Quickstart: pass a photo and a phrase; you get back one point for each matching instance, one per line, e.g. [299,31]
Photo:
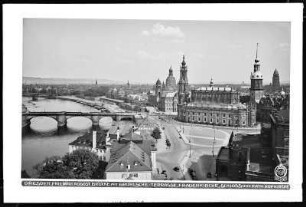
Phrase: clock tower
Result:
[256,90]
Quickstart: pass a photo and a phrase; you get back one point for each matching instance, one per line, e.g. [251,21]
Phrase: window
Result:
[211,120]
[223,115]
[205,119]
[223,121]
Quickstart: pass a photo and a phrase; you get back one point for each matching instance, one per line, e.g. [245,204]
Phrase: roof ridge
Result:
[143,152]
[131,152]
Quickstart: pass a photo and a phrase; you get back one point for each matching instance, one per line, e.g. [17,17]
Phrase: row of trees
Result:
[81,164]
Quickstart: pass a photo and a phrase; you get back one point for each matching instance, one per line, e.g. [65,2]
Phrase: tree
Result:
[52,167]
[81,164]
[156,133]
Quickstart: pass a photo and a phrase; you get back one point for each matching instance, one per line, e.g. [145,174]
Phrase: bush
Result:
[156,134]
[81,164]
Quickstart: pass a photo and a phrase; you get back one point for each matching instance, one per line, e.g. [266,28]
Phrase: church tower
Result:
[256,90]
[183,83]
[275,81]
[158,90]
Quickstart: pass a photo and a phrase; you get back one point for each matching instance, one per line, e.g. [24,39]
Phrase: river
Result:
[42,140]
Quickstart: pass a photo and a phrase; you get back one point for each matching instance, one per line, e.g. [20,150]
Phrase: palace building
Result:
[217,105]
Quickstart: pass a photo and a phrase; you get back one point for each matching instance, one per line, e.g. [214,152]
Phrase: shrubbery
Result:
[81,164]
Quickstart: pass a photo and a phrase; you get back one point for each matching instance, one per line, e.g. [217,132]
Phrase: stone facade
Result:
[212,105]
[165,95]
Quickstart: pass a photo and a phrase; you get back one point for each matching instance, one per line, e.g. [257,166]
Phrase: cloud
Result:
[164,31]
[162,55]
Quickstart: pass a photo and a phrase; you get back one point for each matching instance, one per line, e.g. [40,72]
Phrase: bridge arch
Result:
[125,118]
[29,118]
[42,124]
[79,123]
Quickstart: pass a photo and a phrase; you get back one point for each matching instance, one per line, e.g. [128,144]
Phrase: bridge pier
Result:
[61,121]
[95,121]
[25,124]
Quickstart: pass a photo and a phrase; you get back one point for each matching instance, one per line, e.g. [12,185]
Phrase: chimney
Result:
[248,158]
[94,139]
[153,160]
[118,134]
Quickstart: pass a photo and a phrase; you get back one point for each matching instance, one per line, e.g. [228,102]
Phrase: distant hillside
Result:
[34,80]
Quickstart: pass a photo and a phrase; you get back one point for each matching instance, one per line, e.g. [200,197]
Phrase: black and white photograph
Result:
[167,103]
[198,100]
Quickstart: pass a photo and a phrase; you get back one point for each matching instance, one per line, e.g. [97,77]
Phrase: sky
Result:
[141,51]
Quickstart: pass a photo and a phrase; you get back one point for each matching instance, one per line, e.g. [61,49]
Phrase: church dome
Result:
[282,92]
[158,82]
[170,81]
[275,73]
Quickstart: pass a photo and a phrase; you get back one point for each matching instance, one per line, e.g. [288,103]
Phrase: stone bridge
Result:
[62,117]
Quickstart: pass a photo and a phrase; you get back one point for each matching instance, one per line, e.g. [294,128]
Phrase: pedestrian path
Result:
[161,143]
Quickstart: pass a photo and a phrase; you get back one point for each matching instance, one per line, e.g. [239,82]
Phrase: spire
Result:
[256,60]
[170,71]
[183,62]
[211,83]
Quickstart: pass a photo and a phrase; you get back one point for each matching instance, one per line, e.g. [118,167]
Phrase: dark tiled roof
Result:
[131,136]
[126,155]
[86,140]
[281,116]
[223,154]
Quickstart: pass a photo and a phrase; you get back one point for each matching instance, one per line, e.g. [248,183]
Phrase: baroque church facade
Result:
[164,96]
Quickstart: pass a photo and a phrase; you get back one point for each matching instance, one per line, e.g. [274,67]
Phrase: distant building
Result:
[275,81]
[212,105]
[271,103]
[264,109]
[245,158]
[96,142]
[280,135]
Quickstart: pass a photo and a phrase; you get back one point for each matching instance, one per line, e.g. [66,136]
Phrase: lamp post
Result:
[189,148]
[213,148]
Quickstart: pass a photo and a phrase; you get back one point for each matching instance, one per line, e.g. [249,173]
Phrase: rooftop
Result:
[86,140]
[128,158]
[228,89]
[217,105]
[224,154]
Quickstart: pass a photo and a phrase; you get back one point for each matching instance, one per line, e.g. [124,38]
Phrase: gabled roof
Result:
[131,136]
[129,155]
